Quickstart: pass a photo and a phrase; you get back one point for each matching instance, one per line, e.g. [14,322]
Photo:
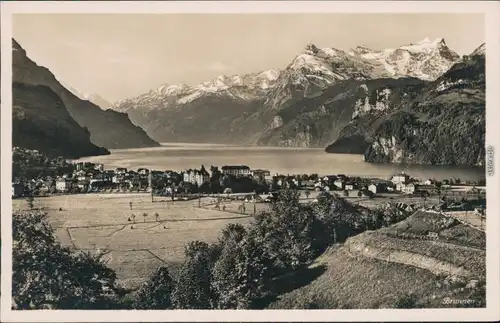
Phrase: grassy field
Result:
[134,250]
[357,282]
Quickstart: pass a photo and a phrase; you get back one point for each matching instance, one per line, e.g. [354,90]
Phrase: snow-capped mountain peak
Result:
[426,59]
[174,89]
[310,72]
[426,45]
[362,50]
[271,75]
[234,86]
[221,82]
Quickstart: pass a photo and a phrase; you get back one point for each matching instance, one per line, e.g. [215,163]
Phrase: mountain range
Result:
[40,121]
[49,117]
[98,100]
[360,101]
[94,97]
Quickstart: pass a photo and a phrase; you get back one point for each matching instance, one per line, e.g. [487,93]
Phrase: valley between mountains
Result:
[420,103]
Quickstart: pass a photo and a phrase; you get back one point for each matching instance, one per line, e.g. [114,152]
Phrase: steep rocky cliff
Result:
[376,102]
[40,121]
[344,114]
[446,122]
[108,128]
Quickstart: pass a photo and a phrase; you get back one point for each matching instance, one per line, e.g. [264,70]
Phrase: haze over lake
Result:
[181,156]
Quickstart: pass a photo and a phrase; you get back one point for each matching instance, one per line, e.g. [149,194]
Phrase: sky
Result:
[123,55]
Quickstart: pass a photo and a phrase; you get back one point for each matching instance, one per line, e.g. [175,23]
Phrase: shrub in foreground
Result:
[156,293]
[47,276]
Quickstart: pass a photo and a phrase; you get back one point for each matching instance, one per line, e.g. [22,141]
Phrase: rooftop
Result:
[235,167]
[401,174]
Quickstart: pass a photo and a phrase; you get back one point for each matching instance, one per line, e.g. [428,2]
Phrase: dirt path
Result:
[434,265]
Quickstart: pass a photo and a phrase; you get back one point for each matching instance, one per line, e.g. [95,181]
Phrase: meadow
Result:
[135,247]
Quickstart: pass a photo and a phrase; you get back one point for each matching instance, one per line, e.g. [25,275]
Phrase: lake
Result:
[283,160]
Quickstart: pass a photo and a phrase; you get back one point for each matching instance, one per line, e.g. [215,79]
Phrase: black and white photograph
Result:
[215,158]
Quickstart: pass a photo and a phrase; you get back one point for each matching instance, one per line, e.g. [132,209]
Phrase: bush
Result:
[338,219]
[313,302]
[241,275]
[193,288]
[47,276]
[285,232]
[407,301]
[156,293]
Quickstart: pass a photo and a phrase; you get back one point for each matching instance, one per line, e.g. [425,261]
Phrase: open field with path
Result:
[100,222]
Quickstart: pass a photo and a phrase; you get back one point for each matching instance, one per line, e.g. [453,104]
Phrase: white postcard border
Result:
[491,10]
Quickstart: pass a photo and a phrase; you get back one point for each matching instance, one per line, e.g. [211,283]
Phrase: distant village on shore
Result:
[87,177]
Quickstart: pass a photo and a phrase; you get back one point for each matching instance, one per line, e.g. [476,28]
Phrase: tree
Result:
[204,188]
[193,288]
[360,194]
[241,275]
[232,231]
[145,215]
[30,201]
[225,280]
[285,231]
[157,216]
[424,195]
[346,193]
[47,276]
[335,215]
[377,219]
[215,174]
[307,194]
[156,293]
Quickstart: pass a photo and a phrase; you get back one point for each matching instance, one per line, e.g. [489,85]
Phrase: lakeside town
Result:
[138,221]
[241,182]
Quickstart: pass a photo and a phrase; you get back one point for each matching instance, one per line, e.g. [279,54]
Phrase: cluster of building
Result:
[91,177]
[400,183]
[404,183]
[200,176]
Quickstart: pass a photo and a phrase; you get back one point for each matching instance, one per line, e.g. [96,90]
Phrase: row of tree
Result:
[28,164]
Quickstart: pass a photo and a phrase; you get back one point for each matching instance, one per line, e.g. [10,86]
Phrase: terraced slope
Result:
[377,269]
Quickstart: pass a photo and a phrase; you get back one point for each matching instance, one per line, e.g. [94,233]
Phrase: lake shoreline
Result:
[281,160]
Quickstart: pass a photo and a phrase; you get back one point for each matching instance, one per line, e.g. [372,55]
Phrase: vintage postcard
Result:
[250,161]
